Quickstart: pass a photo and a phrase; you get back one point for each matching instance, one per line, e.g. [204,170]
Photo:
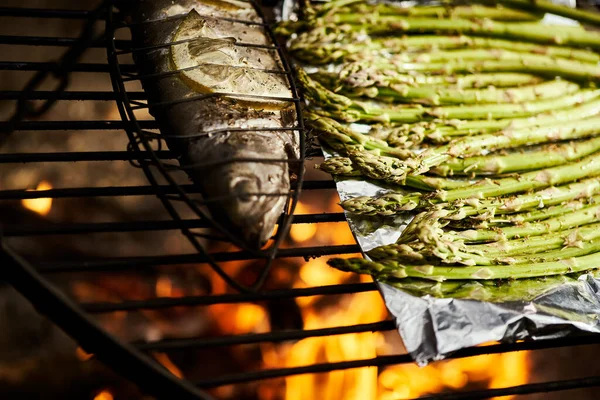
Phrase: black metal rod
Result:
[228,298]
[123,358]
[127,263]
[43,13]
[309,369]
[123,191]
[79,95]
[382,361]
[54,41]
[43,66]
[78,125]
[79,156]
[543,387]
[138,226]
[272,337]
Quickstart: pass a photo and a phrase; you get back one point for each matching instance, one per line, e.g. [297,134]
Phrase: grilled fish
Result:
[208,76]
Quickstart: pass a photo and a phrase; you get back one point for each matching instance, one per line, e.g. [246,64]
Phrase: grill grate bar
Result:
[168,302]
[126,263]
[43,13]
[54,41]
[45,66]
[78,125]
[272,337]
[382,361]
[529,388]
[138,226]
[123,191]
[81,156]
[79,95]
[85,155]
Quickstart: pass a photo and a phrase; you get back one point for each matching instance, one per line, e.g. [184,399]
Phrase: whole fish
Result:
[215,78]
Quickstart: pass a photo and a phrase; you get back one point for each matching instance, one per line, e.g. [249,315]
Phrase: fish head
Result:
[245,179]
[247,198]
[258,195]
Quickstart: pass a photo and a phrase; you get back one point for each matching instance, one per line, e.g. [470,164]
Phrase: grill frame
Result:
[128,360]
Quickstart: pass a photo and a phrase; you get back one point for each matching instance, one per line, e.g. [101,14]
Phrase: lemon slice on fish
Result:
[210,63]
[229,5]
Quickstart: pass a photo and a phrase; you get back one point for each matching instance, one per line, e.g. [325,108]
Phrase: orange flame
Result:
[164,287]
[386,383]
[491,371]
[393,382]
[360,383]
[104,395]
[41,206]
[168,364]
[302,232]
[83,355]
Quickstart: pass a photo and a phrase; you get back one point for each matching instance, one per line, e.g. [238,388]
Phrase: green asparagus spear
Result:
[583,248]
[490,291]
[548,156]
[342,166]
[579,217]
[449,248]
[578,14]
[519,62]
[534,246]
[323,45]
[332,80]
[545,213]
[475,11]
[444,132]
[345,109]
[432,95]
[392,203]
[377,167]
[424,238]
[551,196]
[341,138]
[390,269]
[408,135]
[528,32]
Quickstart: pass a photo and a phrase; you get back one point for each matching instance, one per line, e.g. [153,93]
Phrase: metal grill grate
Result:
[131,360]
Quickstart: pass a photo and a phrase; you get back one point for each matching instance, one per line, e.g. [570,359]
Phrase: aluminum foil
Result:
[436,319]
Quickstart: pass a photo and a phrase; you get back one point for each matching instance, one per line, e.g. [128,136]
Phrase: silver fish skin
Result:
[228,187]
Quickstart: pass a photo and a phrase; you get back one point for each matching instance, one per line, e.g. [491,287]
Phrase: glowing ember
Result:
[317,273]
[488,371]
[41,206]
[82,354]
[164,287]
[250,318]
[104,395]
[168,364]
[302,232]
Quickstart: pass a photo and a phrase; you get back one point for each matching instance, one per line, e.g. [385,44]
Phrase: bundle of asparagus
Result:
[487,116]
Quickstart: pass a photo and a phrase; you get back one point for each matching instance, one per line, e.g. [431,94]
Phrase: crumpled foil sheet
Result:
[435,320]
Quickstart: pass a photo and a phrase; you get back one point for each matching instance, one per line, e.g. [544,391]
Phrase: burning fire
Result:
[302,232]
[168,364]
[83,355]
[393,382]
[384,383]
[487,371]
[40,206]
[104,395]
